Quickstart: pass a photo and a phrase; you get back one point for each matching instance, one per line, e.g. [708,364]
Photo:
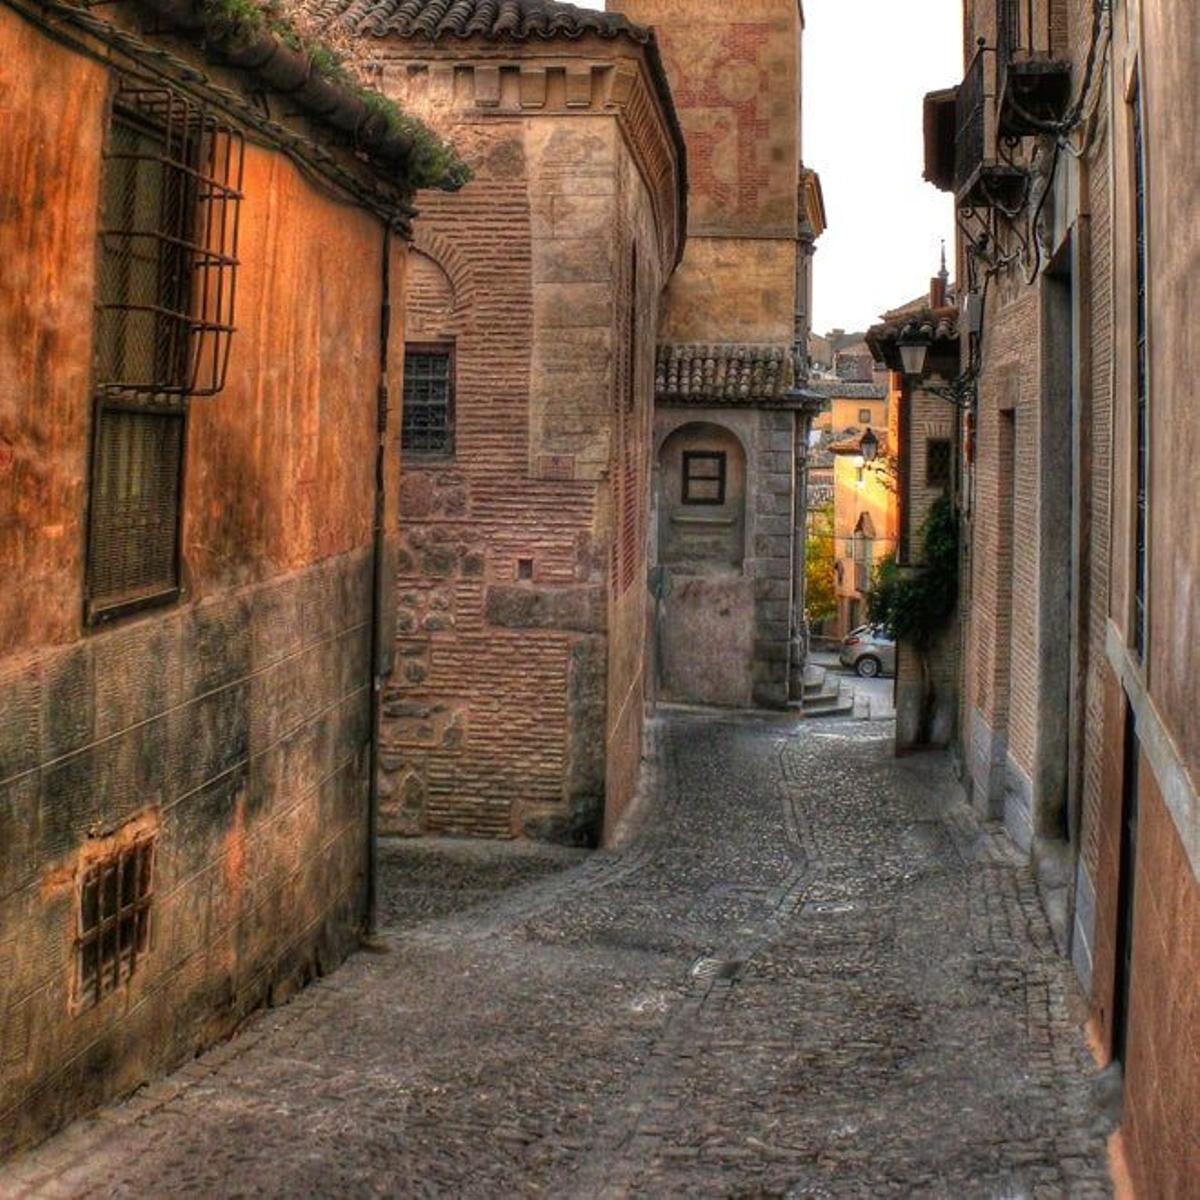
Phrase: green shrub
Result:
[916,608]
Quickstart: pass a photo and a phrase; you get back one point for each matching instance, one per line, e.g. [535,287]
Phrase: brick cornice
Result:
[590,76]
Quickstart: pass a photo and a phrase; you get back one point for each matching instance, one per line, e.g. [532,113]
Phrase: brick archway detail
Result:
[441,250]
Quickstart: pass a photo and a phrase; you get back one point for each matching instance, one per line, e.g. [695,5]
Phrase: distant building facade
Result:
[732,416]
[924,428]
[1080,717]
[862,495]
[515,707]
[193,396]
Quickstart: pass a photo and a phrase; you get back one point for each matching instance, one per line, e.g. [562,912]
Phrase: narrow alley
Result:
[809,971]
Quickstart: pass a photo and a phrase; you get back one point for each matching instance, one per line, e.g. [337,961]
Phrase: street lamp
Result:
[914,349]
[868,446]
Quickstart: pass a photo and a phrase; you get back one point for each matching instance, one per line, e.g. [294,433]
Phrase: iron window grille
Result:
[704,477]
[937,463]
[115,897]
[864,416]
[170,203]
[427,426]
[169,245]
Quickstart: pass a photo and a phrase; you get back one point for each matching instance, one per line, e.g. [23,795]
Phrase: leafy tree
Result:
[916,608]
[820,595]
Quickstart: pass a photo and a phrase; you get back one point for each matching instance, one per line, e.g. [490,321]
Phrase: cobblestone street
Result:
[810,972]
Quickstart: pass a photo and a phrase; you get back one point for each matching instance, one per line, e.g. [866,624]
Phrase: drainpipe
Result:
[379,647]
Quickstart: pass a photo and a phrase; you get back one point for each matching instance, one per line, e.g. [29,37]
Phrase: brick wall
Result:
[1161,1118]
[521,579]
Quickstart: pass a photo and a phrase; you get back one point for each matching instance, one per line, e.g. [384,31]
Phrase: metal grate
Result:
[428,422]
[937,463]
[971,122]
[134,544]
[168,236]
[114,920]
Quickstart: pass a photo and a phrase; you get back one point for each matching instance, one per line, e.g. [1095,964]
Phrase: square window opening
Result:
[937,463]
[704,477]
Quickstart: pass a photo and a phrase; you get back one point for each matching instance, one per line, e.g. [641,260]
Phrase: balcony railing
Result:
[1034,87]
[961,142]
[971,123]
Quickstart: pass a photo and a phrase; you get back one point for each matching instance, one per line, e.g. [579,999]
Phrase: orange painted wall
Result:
[49,248]
[234,723]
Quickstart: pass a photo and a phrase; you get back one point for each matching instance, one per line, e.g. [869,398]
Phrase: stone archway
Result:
[705,621]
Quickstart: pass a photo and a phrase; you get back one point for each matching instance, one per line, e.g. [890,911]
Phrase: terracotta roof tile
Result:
[517,20]
[934,325]
[840,389]
[723,373]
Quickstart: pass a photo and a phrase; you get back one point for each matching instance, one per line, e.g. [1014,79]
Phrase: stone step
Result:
[839,708]
[814,677]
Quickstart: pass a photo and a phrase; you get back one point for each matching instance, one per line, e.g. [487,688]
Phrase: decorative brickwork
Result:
[515,705]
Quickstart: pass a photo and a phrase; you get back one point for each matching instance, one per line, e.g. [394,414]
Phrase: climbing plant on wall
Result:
[915,606]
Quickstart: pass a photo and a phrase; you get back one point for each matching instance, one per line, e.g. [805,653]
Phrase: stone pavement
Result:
[810,973]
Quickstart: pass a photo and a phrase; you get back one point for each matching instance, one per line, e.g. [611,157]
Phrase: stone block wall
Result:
[516,705]
[236,733]
[741,614]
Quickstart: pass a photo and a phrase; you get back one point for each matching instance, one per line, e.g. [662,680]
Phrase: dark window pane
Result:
[135,504]
[428,402]
[937,463]
[89,903]
[703,477]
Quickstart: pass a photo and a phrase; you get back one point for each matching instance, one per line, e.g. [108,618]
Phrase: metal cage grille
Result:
[168,235]
[114,920]
[427,425]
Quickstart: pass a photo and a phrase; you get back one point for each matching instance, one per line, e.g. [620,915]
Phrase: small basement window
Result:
[703,477]
[113,925]
[427,426]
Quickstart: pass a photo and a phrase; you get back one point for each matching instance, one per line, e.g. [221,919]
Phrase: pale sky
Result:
[867,65]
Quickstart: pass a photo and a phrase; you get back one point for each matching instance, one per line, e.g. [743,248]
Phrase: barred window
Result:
[864,416]
[703,477]
[113,920]
[169,206]
[937,463]
[428,422]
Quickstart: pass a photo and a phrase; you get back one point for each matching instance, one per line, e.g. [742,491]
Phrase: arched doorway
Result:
[705,612]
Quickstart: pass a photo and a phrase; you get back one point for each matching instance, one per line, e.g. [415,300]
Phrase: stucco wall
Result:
[732,290]
[729,637]
[235,723]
